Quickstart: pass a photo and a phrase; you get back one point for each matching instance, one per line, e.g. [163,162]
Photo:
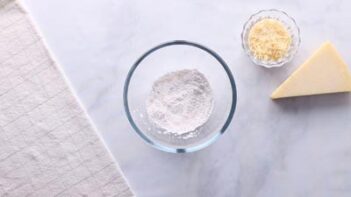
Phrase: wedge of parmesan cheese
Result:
[324,72]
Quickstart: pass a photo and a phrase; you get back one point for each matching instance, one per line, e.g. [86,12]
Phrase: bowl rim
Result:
[164,147]
[278,64]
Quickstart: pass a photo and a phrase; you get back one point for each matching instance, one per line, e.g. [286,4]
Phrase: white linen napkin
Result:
[48,147]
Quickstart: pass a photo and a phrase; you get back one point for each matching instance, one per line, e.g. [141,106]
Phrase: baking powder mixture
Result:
[180,101]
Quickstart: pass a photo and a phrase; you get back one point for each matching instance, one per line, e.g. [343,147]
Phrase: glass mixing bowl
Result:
[166,58]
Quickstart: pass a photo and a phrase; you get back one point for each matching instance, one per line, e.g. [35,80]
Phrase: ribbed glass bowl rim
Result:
[156,144]
[247,51]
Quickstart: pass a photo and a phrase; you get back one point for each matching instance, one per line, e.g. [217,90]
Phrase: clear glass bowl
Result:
[173,56]
[289,23]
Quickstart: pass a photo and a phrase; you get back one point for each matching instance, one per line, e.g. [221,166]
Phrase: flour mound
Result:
[180,101]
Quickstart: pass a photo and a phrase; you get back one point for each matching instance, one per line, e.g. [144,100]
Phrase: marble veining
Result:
[293,147]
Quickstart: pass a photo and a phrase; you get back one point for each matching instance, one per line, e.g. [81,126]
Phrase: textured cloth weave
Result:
[48,146]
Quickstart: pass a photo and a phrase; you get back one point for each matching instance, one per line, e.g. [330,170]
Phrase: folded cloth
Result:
[48,147]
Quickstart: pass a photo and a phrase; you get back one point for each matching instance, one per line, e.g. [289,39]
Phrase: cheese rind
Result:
[324,72]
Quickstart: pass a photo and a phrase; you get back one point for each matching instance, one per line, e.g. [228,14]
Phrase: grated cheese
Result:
[269,40]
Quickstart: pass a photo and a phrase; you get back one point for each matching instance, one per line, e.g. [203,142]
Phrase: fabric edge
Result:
[68,83]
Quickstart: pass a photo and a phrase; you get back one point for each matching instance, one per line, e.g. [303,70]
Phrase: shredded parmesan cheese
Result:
[269,40]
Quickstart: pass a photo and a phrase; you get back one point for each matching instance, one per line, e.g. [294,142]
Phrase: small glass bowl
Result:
[169,57]
[290,25]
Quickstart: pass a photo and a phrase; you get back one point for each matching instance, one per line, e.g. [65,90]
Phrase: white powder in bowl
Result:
[180,101]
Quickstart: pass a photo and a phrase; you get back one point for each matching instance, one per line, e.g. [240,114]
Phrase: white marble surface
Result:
[294,147]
